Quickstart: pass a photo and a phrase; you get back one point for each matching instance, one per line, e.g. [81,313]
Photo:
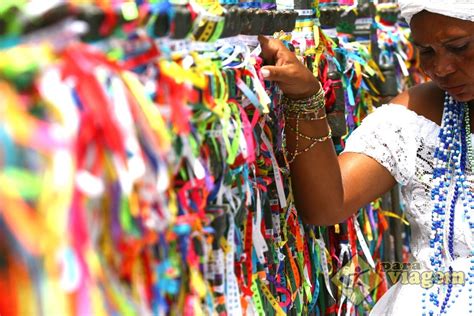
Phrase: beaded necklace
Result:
[452,154]
[470,150]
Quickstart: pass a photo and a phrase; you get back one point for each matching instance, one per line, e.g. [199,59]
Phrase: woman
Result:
[421,140]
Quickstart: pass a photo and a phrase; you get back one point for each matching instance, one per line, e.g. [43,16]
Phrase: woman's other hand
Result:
[294,79]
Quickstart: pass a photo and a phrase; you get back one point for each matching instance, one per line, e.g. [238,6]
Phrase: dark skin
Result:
[328,189]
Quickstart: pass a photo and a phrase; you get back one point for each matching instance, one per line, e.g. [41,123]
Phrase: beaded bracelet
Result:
[311,104]
[305,109]
[315,140]
[307,117]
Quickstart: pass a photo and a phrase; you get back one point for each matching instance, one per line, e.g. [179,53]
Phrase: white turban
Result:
[459,9]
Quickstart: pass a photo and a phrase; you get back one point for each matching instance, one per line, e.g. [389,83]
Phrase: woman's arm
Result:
[327,189]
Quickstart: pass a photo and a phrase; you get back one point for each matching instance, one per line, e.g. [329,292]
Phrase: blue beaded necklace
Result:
[452,155]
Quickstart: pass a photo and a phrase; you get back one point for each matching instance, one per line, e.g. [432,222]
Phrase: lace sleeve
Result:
[389,136]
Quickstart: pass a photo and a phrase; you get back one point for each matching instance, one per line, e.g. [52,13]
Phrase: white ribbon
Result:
[363,243]
[232,299]
[324,265]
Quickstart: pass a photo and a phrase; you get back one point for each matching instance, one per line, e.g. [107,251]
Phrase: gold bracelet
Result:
[311,104]
[307,117]
[315,140]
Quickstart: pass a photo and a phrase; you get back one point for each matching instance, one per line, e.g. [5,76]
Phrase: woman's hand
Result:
[293,78]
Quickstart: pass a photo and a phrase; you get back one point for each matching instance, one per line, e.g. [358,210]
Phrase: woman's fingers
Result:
[268,52]
[272,50]
[276,73]
[293,78]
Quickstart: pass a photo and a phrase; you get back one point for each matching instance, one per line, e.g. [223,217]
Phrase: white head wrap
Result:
[459,9]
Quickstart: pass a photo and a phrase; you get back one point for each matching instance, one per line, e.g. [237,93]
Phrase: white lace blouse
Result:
[404,143]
